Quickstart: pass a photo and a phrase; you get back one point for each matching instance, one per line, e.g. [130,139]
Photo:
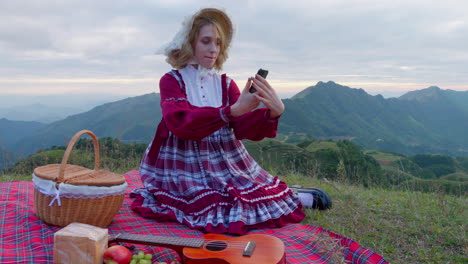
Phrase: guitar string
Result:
[223,244]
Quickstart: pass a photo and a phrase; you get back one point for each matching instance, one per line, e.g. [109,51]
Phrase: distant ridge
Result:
[425,95]
[11,131]
[37,112]
[322,85]
[423,121]
[131,119]
[434,93]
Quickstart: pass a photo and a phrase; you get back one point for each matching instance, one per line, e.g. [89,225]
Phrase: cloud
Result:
[375,43]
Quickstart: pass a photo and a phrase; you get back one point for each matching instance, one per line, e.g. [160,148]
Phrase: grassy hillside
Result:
[114,156]
[404,226]
[340,161]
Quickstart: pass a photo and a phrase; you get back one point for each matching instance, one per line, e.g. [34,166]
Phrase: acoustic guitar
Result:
[216,249]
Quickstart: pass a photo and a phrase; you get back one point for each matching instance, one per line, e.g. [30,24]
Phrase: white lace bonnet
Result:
[181,37]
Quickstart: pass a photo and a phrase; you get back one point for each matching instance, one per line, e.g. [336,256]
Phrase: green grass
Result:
[8,178]
[382,155]
[458,176]
[315,146]
[402,226]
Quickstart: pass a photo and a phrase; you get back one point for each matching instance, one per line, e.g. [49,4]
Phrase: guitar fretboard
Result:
[161,240]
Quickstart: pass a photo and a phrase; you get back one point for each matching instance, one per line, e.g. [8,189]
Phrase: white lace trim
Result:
[48,188]
[195,199]
[200,196]
[176,99]
[181,36]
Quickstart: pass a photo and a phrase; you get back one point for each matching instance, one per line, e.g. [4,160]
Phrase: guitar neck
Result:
[160,241]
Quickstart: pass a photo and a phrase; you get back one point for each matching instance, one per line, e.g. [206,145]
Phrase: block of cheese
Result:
[80,243]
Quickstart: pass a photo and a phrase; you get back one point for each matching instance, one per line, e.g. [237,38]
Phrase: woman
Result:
[196,170]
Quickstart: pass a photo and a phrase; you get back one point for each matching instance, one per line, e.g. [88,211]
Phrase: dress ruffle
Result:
[213,211]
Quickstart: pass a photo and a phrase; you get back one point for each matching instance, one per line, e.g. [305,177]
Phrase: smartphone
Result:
[262,73]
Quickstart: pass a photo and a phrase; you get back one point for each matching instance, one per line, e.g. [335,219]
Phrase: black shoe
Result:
[322,201]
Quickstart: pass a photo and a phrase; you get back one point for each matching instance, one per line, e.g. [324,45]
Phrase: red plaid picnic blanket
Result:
[26,239]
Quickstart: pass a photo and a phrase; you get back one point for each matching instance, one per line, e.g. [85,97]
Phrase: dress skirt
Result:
[214,185]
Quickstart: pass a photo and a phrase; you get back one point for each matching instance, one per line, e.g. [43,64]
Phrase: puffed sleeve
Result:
[185,120]
[254,125]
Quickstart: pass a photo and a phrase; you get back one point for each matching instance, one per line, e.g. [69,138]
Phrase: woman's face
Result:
[207,46]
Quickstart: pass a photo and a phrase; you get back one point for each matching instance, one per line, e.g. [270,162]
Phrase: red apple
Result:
[117,255]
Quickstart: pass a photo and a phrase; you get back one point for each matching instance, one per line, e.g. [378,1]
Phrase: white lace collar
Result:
[203,86]
[202,72]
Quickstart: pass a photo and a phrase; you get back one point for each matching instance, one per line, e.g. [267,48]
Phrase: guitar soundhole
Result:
[216,245]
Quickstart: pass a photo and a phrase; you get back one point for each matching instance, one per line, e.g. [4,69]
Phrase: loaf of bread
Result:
[80,243]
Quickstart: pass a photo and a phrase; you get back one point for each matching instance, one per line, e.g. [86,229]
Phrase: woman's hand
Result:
[246,101]
[267,95]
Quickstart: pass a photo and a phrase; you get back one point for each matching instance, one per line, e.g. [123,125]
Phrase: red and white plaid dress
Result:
[197,171]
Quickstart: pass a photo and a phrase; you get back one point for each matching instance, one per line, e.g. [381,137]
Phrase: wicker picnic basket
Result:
[65,193]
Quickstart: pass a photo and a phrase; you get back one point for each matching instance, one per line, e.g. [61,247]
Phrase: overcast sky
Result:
[88,46]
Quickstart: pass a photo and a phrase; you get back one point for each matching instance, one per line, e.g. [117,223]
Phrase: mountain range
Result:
[430,120]
[12,131]
[130,119]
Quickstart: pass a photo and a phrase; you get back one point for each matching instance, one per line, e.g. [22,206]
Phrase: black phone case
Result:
[262,73]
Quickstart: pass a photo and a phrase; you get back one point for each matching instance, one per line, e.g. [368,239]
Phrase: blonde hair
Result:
[179,58]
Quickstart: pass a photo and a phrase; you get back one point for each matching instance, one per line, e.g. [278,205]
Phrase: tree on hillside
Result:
[439,165]
[426,160]
[408,166]
[359,167]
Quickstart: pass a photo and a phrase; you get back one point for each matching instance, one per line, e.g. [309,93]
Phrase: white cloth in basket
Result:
[48,188]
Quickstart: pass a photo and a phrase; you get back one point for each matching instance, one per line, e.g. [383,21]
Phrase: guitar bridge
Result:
[249,248]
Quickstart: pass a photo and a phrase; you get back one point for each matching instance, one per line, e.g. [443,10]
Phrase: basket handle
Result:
[70,146]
